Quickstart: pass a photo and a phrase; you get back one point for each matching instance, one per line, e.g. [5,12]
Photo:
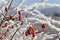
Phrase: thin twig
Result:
[17,5]
[10,3]
[14,33]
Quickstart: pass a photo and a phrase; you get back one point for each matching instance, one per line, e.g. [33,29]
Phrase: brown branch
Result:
[16,5]
[14,33]
[10,4]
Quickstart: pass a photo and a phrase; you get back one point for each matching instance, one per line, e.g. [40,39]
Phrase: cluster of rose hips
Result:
[6,24]
[30,30]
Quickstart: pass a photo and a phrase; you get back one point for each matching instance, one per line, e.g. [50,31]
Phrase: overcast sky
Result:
[28,2]
[35,1]
[49,1]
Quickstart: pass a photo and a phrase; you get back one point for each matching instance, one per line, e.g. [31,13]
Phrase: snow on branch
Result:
[25,24]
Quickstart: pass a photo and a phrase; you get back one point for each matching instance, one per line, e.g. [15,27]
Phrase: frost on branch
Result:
[27,23]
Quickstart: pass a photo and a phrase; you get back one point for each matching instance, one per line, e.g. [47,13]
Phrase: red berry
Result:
[30,31]
[33,35]
[3,26]
[20,17]
[6,9]
[0,38]
[12,26]
[11,17]
[6,24]
[43,25]
[19,12]
[26,33]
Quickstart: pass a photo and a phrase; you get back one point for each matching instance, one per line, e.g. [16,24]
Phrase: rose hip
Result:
[43,25]
[6,9]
